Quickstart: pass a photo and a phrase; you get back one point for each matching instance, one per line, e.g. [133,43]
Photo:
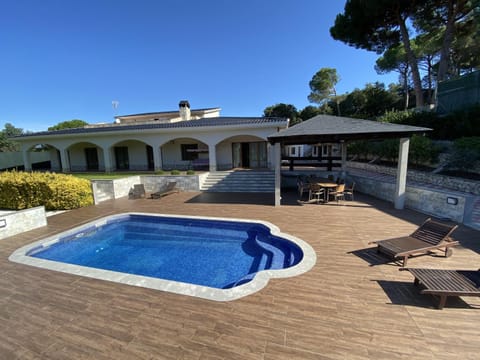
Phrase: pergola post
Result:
[277,160]
[401,181]
[344,159]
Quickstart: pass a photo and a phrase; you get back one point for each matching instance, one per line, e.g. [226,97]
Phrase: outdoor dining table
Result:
[327,185]
[323,183]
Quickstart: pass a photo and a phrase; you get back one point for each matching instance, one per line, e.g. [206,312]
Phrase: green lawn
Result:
[118,175]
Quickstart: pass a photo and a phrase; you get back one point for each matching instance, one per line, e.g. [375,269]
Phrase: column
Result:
[157,158]
[212,157]
[277,157]
[399,196]
[107,159]
[65,159]
[27,165]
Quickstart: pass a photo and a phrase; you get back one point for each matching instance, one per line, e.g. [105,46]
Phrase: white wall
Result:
[15,158]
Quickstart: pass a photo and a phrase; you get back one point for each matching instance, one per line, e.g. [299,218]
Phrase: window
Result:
[292,150]
[189,151]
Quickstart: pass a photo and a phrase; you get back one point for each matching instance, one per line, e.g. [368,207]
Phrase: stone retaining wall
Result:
[117,188]
[17,222]
[448,182]
[428,201]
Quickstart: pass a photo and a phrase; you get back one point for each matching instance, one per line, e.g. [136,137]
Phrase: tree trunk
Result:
[405,87]
[336,101]
[412,60]
[447,41]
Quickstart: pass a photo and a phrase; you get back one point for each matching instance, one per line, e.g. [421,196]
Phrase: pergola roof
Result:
[327,128]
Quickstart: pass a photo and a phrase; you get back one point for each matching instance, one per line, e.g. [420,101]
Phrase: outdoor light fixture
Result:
[452,200]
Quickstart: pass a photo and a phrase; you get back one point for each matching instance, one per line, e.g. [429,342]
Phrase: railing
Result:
[327,162]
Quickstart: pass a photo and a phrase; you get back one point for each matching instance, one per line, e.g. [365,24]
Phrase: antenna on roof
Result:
[115,104]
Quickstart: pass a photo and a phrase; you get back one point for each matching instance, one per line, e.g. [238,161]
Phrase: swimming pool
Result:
[214,258]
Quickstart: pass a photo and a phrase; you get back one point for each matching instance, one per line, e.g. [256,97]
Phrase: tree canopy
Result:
[376,25]
[322,86]
[69,124]
[283,110]
[7,144]
[439,37]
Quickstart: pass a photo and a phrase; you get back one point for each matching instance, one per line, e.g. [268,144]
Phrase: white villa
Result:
[183,139]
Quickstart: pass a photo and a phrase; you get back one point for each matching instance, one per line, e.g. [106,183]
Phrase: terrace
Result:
[351,305]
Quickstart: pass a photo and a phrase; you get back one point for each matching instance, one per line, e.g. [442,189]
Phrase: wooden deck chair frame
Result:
[445,283]
[169,189]
[431,235]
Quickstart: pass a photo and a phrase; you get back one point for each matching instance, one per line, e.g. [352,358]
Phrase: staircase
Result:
[239,181]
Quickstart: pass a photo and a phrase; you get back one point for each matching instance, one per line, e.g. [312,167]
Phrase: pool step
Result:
[239,181]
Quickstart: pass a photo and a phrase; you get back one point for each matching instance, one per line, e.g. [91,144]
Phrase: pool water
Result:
[215,253]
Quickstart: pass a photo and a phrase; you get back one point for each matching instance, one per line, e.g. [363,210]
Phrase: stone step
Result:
[239,181]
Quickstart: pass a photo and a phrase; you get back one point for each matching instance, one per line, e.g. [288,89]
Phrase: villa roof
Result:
[327,128]
[166,112]
[204,122]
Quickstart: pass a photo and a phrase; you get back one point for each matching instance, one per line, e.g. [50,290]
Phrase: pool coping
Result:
[260,280]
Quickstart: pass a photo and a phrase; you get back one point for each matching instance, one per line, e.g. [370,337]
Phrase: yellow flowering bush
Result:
[23,190]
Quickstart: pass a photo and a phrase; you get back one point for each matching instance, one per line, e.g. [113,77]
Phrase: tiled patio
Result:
[351,305]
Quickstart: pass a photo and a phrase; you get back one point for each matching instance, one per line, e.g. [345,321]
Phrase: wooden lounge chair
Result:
[429,236]
[169,189]
[138,192]
[445,283]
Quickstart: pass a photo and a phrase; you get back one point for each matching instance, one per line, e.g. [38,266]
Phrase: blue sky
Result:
[69,59]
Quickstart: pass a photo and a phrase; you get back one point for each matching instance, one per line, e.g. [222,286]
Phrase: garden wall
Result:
[17,222]
[436,202]
[113,189]
[447,182]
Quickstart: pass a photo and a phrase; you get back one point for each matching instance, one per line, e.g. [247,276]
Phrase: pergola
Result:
[336,129]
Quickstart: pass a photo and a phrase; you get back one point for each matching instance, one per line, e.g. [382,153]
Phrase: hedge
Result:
[23,190]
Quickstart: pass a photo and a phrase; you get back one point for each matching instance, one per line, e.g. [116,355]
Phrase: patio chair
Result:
[338,193]
[169,189]
[316,192]
[302,186]
[431,235]
[445,283]
[349,191]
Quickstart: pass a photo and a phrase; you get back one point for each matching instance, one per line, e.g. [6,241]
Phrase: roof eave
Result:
[314,139]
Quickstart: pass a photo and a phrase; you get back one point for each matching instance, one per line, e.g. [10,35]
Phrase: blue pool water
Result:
[215,253]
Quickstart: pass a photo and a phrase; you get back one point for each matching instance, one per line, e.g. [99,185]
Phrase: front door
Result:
[121,158]
[91,157]
[250,155]
[150,163]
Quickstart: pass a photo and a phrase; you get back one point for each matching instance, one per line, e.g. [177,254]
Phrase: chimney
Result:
[184,109]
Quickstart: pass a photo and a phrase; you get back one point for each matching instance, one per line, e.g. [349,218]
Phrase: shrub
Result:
[465,122]
[386,149]
[159,172]
[190,172]
[23,190]
[175,172]
[465,153]
[422,150]
[361,149]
